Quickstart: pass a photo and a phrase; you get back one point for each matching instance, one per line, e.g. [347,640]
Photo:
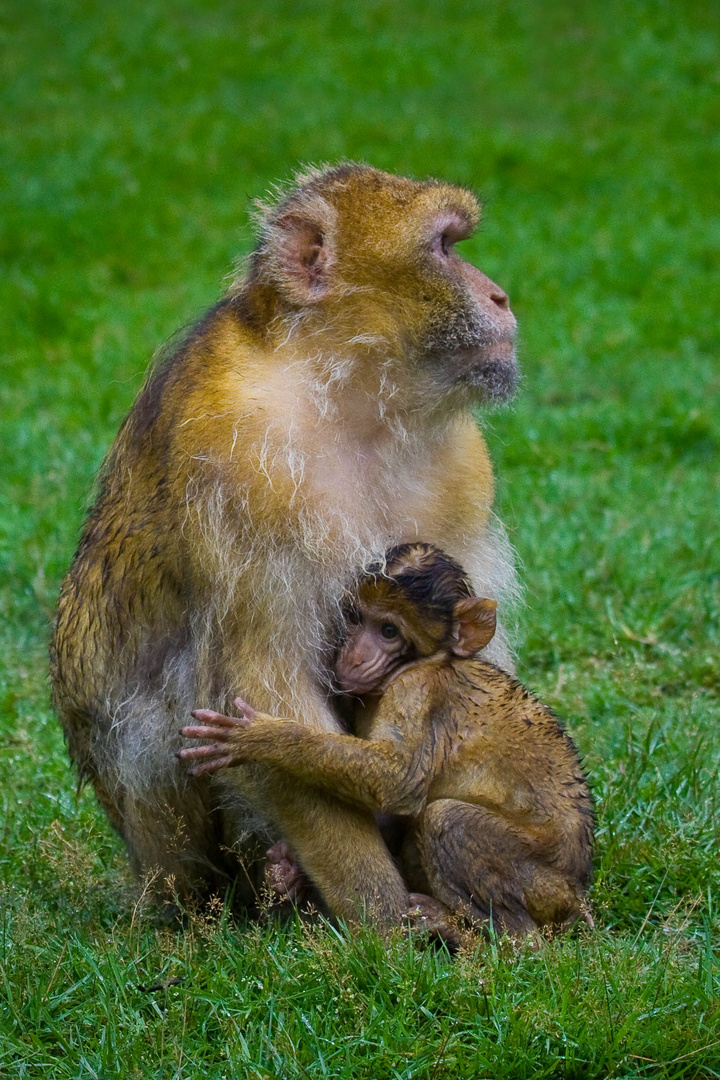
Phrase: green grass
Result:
[137,134]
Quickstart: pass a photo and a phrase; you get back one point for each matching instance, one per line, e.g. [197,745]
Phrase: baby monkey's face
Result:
[385,631]
[376,644]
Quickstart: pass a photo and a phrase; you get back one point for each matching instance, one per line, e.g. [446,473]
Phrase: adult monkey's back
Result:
[317,416]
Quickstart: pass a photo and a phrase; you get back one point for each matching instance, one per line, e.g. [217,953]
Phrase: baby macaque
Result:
[497,812]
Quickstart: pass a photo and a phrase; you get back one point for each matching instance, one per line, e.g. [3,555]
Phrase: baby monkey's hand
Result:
[227,748]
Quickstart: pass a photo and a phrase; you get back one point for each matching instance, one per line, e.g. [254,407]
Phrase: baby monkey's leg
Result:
[484,866]
[476,864]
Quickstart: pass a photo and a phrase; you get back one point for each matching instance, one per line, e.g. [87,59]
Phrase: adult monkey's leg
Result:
[341,849]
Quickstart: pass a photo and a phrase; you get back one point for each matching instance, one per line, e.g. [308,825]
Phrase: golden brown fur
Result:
[318,414]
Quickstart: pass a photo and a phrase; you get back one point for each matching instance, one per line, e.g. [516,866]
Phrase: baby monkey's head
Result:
[417,603]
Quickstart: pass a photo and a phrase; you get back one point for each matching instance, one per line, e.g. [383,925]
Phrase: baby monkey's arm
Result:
[390,636]
[391,774]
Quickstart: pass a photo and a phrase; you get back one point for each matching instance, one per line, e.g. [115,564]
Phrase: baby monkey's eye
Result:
[389,631]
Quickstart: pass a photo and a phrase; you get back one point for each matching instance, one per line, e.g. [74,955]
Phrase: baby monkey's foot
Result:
[427,913]
[284,877]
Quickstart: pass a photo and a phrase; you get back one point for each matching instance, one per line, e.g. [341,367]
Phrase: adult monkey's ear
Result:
[474,625]
[301,250]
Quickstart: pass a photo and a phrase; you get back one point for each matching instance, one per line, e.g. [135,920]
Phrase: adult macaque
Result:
[499,811]
[319,414]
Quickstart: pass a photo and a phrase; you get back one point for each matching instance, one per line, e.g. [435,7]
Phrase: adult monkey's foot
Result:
[284,877]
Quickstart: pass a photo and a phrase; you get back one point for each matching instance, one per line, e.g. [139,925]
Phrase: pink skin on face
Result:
[373,648]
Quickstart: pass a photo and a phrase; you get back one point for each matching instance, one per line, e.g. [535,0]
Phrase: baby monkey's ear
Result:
[474,625]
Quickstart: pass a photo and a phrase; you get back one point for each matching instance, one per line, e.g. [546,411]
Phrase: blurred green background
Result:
[135,136]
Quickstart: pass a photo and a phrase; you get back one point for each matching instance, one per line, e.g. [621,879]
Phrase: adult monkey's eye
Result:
[389,631]
[449,229]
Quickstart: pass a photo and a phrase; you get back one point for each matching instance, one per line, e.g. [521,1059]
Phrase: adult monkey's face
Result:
[373,256]
[469,338]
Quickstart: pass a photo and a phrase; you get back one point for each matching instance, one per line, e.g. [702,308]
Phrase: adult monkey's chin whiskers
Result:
[481,376]
[496,378]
